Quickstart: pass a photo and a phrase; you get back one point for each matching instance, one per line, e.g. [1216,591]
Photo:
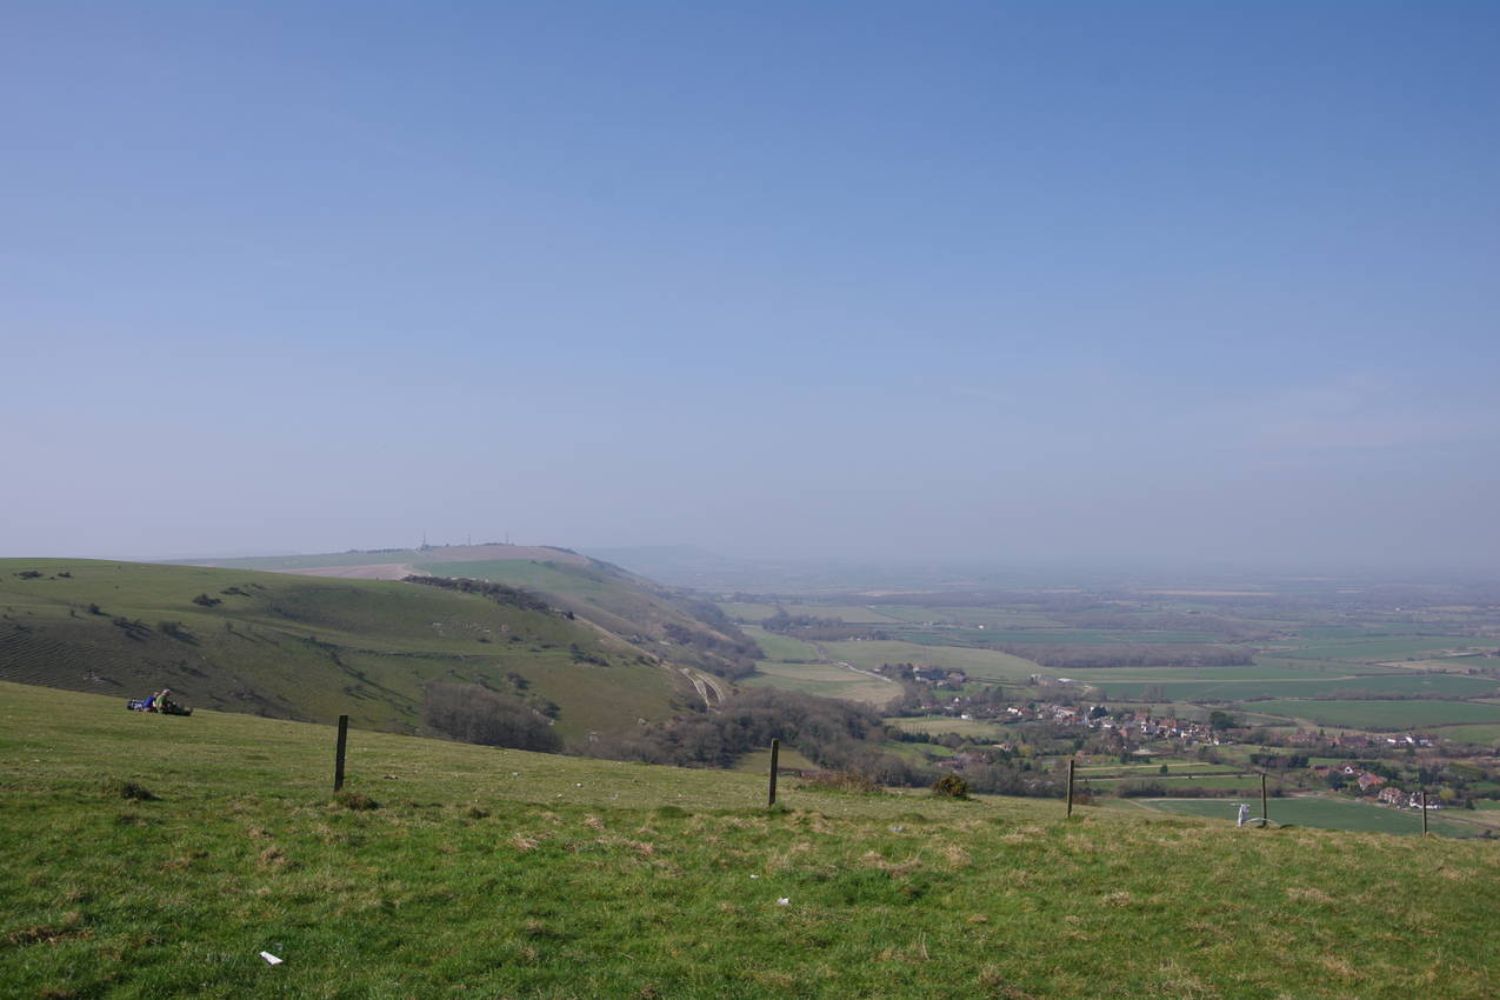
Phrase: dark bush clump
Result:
[203,600]
[356,801]
[134,792]
[475,714]
[952,786]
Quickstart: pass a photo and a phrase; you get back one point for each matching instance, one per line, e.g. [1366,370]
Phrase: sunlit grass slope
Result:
[304,647]
[500,873]
[648,615]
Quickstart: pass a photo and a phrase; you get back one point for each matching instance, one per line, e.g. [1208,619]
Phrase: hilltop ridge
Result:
[665,622]
[301,647]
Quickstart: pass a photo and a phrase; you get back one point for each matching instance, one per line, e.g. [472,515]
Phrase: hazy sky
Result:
[1155,282]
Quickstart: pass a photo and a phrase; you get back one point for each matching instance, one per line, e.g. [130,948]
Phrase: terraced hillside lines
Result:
[306,648]
[500,873]
[650,618]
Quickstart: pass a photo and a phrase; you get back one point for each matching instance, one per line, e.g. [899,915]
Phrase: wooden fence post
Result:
[775,763]
[1265,815]
[1424,812]
[1070,788]
[338,756]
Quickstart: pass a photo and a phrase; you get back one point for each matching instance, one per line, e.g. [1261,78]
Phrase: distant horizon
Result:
[852,567]
[1131,286]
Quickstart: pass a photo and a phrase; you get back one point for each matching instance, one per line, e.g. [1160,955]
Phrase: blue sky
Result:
[1142,284]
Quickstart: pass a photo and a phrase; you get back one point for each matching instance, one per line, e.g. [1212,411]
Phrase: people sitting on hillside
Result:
[160,702]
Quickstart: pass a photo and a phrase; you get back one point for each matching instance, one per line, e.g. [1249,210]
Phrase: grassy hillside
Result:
[307,648]
[649,616]
[500,873]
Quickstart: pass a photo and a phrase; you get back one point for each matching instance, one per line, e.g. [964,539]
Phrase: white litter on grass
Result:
[270,958]
[755,876]
[784,901]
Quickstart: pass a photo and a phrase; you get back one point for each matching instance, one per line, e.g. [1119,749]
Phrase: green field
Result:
[744,612]
[1221,684]
[1382,715]
[1487,735]
[987,664]
[781,647]
[847,613]
[1319,811]
[1021,638]
[825,680]
[1375,649]
[759,762]
[500,873]
[942,725]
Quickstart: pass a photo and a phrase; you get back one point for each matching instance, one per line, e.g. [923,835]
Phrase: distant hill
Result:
[305,648]
[667,623]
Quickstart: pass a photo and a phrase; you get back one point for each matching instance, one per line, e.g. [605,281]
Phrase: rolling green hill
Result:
[660,620]
[303,647]
[151,856]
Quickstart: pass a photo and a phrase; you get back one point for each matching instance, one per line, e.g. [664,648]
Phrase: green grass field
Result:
[1381,715]
[942,725]
[746,612]
[500,873]
[1207,684]
[1486,735]
[1319,811]
[988,664]
[826,680]
[783,648]
[1375,649]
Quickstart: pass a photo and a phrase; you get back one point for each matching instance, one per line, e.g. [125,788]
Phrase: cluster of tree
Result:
[134,628]
[1275,761]
[514,597]
[731,655]
[176,630]
[922,699]
[833,734]
[476,714]
[1001,775]
[1132,655]
[581,655]
[783,622]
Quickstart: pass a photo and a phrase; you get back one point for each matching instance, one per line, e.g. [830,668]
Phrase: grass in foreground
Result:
[496,873]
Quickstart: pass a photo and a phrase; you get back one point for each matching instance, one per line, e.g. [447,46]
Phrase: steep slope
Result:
[307,648]
[661,620]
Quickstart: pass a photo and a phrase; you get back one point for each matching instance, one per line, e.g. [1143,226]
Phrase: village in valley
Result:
[1137,751]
